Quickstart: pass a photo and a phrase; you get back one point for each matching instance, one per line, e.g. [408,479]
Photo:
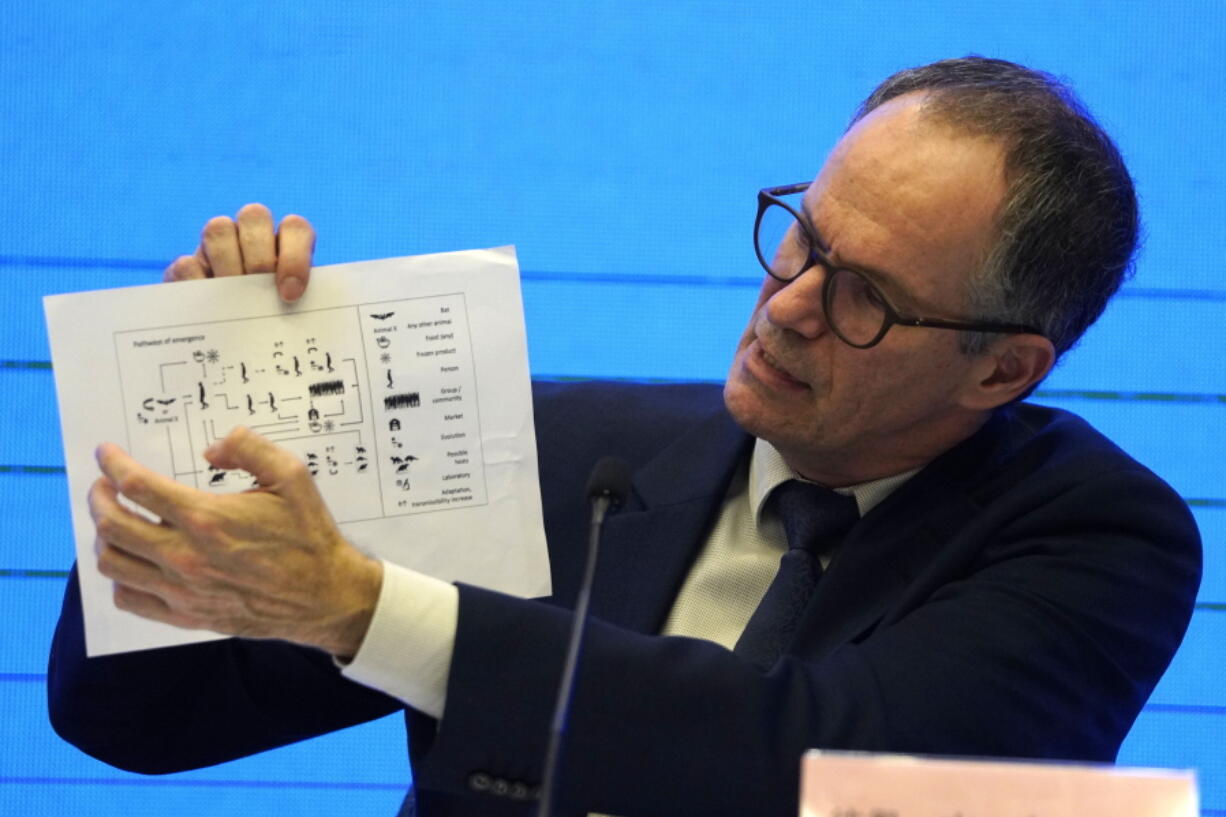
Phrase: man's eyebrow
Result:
[886,280]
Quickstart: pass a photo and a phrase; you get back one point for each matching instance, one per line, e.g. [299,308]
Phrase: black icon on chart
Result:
[410,399]
[327,388]
[402,463]
[151,404]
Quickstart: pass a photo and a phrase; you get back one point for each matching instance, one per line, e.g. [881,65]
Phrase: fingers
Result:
[123,568]
[243,245]
[115,523]
[256,242]
[249,244]
[272,466]
[219,247]
[130,549]
[295,247]
[147,594]
[142,585]
[152,491]
[147,605]
[185,268]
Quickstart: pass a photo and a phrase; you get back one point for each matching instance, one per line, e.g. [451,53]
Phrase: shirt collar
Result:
[767,470]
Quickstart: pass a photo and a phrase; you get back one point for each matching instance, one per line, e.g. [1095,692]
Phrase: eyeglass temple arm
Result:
[936,323]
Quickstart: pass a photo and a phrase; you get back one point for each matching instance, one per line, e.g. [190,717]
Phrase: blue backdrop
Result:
[620,146]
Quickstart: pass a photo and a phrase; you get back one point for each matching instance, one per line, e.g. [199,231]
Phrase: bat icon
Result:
[382,316]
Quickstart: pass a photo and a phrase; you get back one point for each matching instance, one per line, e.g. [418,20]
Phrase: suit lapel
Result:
[648,547]
[877,565]
[879,569]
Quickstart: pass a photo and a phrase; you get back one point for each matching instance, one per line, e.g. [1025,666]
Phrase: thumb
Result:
[273,467]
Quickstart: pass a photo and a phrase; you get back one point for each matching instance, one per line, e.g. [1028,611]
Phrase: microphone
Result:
[607,488]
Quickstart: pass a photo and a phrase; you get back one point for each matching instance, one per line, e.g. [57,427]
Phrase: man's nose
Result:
[797,305]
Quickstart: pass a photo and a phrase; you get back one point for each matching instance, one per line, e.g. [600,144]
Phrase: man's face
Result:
[911,203]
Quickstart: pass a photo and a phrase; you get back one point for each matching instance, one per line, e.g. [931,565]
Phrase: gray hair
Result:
[1068,228]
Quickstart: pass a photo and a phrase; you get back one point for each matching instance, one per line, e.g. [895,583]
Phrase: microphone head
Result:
[611,479]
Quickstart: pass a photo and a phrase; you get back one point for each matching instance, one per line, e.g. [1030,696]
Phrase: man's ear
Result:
[1008,368]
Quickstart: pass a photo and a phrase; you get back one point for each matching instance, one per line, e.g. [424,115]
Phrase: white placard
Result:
[836,784]
[402,383]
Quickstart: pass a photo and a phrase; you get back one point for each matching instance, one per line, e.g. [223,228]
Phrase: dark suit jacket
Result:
[1019,597]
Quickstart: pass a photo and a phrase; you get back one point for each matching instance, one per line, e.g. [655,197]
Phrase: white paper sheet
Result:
[403,384]
[844,784]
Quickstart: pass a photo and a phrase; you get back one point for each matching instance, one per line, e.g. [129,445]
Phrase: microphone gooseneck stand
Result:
[607,488]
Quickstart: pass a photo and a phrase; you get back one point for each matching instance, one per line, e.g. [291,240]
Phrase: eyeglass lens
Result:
[783,245]
[854,307]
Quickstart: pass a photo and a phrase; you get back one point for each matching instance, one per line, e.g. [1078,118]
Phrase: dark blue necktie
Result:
[815,519]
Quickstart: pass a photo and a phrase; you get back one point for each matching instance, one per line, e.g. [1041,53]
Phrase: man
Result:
[1007,583]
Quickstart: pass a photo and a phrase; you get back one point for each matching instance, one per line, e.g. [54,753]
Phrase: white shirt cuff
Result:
[407,649]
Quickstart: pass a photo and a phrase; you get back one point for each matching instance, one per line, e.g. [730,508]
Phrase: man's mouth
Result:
[777,367]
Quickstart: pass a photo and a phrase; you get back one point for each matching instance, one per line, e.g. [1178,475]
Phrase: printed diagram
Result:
[379,400]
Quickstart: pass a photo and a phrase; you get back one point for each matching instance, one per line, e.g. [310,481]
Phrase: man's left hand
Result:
[266,563]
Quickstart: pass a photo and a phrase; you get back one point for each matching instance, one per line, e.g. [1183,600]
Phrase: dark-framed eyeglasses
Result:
[855,308]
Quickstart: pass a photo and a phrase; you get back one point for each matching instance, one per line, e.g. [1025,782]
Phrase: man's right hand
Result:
[248,244]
